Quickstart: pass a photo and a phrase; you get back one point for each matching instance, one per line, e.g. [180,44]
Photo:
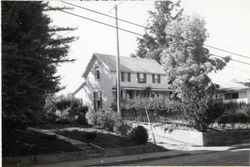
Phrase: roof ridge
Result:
[100,54]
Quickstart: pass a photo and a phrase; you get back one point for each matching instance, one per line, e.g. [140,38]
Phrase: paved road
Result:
[223,158]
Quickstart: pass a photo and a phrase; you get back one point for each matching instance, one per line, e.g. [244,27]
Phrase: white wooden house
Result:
[98,90]
[236,91]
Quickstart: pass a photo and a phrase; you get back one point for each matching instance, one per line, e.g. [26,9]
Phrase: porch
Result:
[138,93]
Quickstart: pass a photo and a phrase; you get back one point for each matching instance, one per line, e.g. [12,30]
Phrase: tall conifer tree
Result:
[31,51]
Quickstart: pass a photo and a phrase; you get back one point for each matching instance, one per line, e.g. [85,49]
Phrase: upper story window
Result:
[141,77]
[156,78]
[125,77]
[97,72]
[229,96]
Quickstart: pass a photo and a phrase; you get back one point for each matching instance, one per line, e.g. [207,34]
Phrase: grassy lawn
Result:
[104,140]
[33,143]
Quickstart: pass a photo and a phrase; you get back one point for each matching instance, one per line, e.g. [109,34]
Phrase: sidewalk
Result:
[122,159]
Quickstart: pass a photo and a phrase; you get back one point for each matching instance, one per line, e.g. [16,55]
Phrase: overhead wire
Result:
[232,59]
[129,22]
[100,22]
[131,31]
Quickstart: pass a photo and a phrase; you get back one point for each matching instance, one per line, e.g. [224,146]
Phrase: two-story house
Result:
[138,78]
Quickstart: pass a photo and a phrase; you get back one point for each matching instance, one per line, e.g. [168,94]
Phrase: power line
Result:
[227,51]
[131,31]
[103,14]
[129,22]
[232,59]
[101,22]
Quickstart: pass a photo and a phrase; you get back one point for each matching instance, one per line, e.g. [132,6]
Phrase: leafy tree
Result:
[154,39]
[187,64]
[31,51]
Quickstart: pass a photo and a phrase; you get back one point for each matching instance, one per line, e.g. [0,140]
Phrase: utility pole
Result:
[117,66]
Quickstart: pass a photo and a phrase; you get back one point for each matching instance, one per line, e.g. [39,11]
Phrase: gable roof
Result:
[127,64]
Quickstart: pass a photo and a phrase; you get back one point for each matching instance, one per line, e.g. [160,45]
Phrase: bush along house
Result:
[138,78]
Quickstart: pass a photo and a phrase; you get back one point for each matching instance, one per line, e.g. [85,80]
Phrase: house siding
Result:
[107,82]
[94,85]
[149,83]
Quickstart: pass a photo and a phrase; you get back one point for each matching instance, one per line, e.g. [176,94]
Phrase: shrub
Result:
[123,128]
[64,108]
[90,135]
[103,119]
[232,118]
[233,107]
[139,134]
[82,120]
[200,112]
[157,108]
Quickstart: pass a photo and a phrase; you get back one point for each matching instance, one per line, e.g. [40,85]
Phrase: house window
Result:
[97,100]
[125,77]
[156,78]
[97,72]
[229,96]
[141,78]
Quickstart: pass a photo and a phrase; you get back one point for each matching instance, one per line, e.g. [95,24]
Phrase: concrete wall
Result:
[214,138]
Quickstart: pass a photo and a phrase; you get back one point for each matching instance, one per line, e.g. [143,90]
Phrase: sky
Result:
[228,25]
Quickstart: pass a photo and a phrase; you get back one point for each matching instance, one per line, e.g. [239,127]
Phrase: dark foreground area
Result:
[32,143]
[103,140]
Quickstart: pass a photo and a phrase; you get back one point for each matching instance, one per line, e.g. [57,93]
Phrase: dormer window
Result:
[141,77]
[97,72]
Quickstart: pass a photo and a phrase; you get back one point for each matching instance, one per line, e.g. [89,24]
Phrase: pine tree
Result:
[31,51]
[154,39]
